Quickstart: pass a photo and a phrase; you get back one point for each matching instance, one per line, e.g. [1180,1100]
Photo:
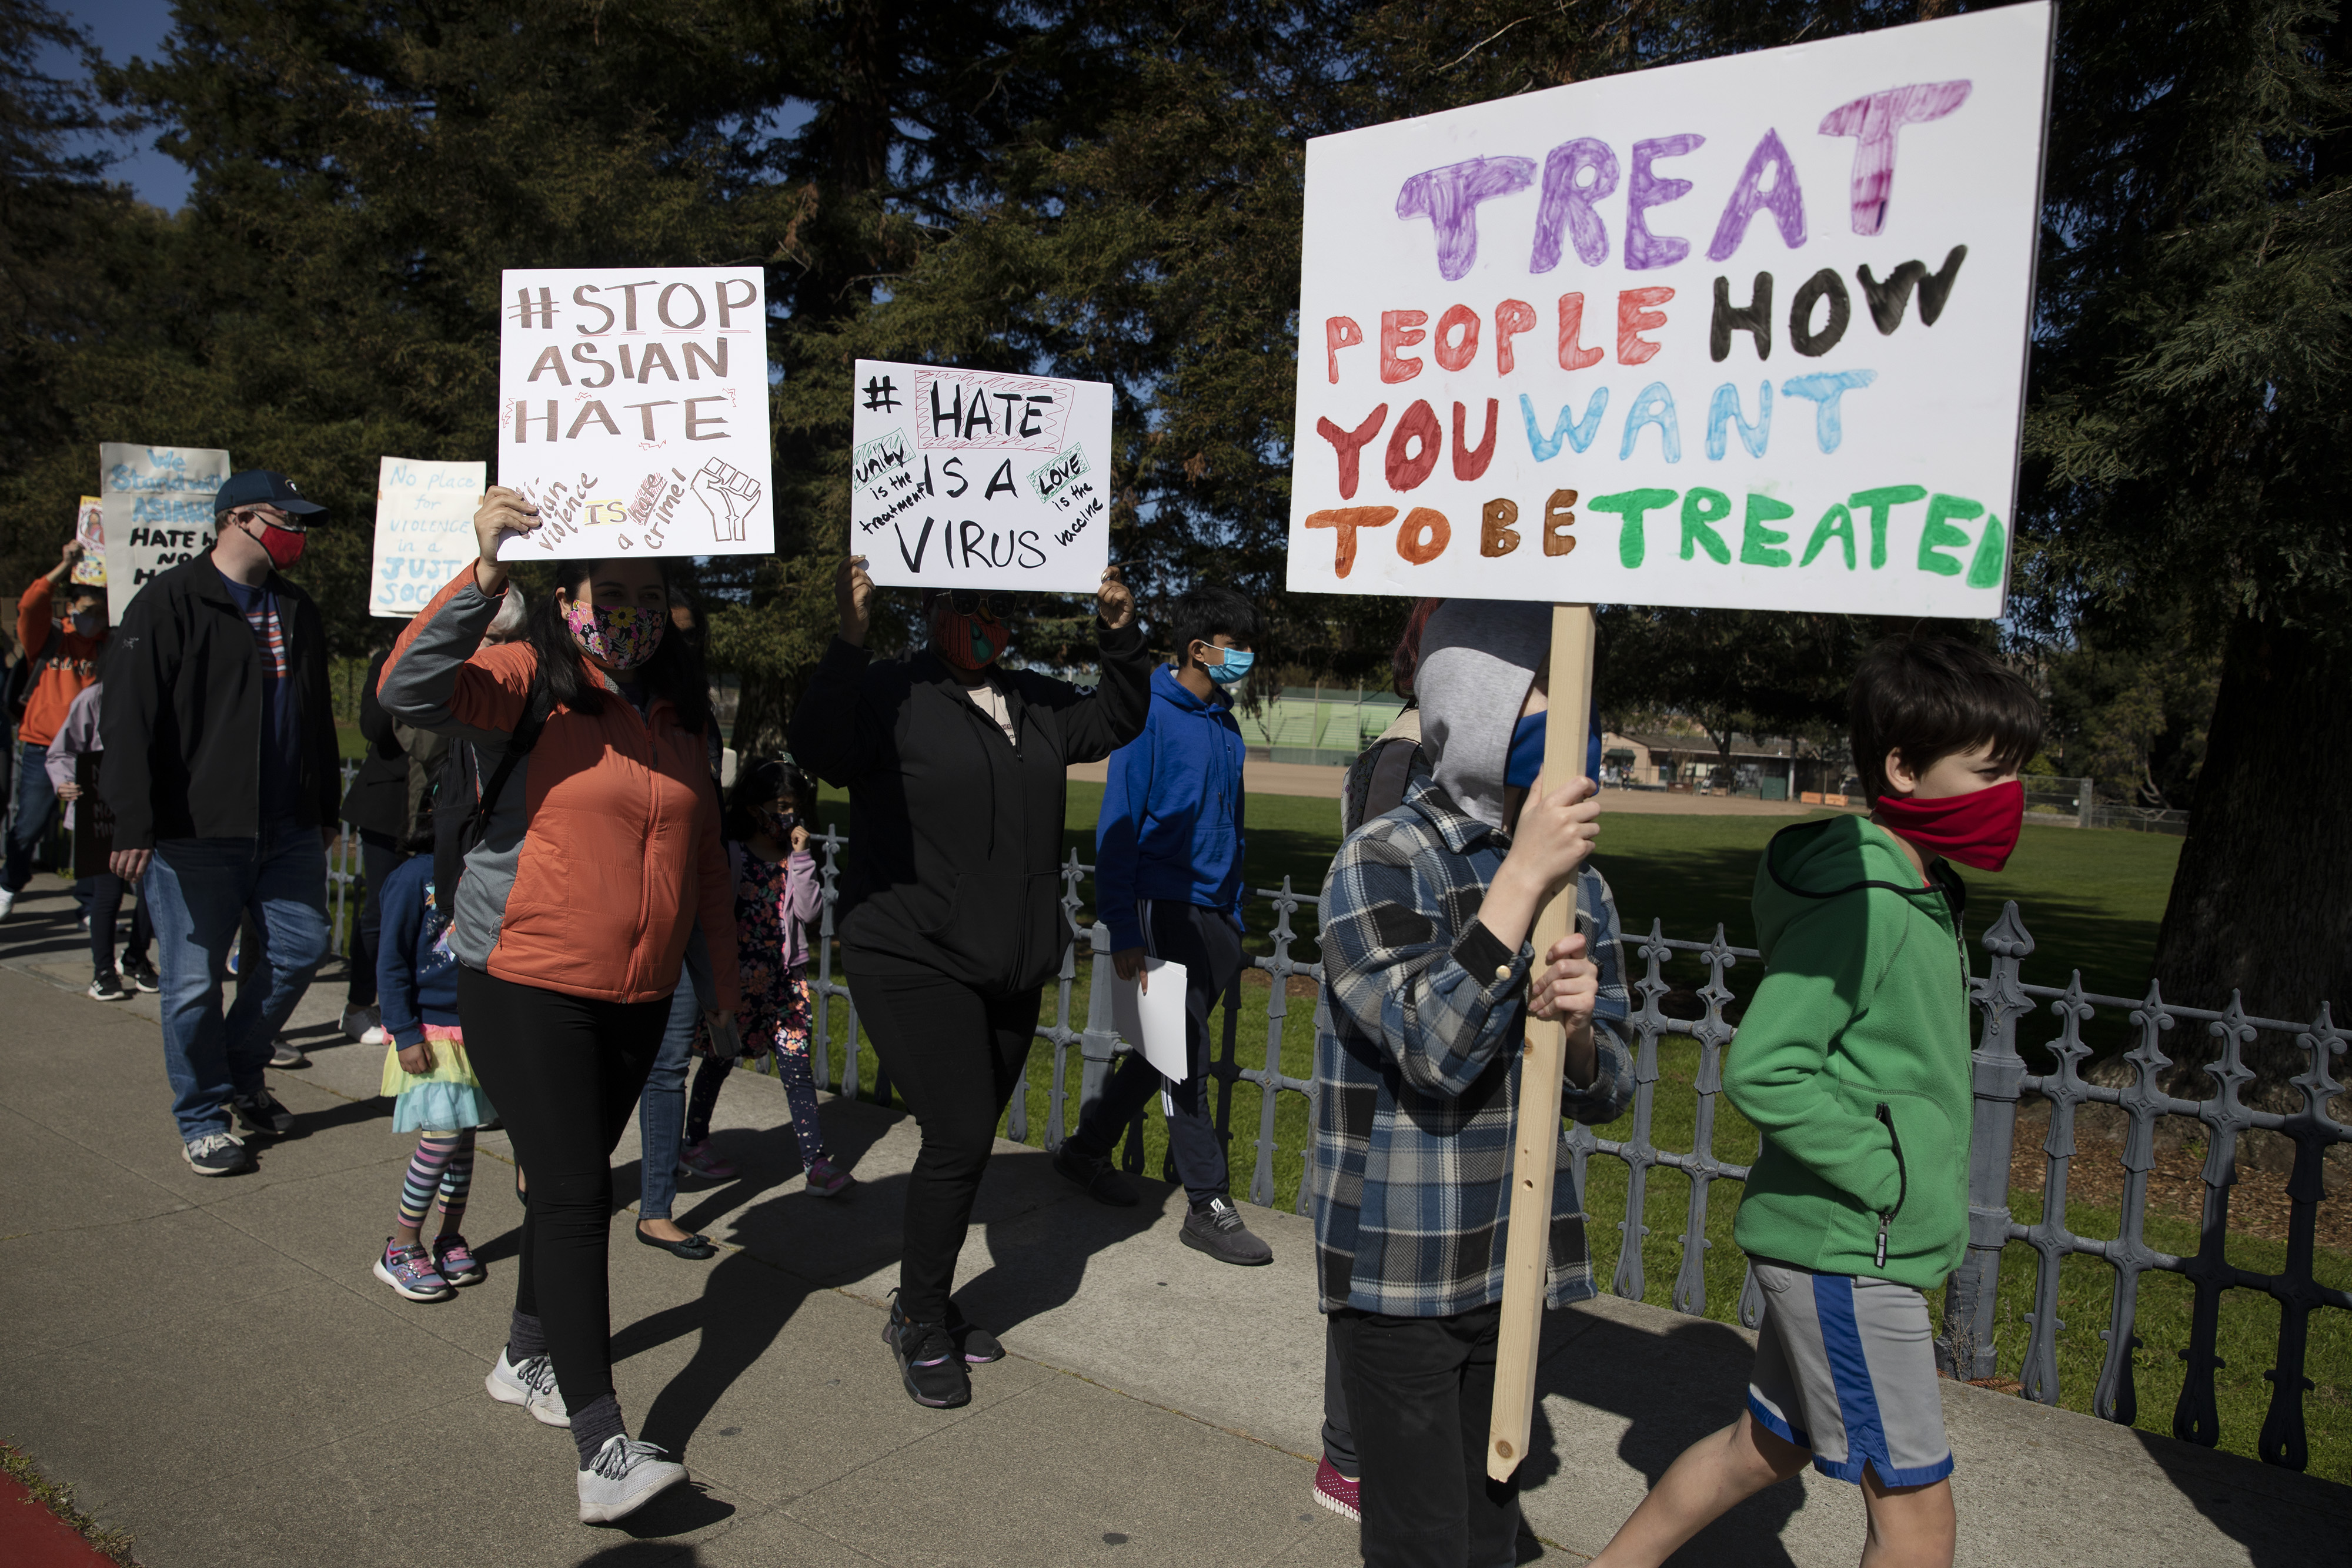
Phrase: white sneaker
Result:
[7,902]
[530,1386]
[624,1477]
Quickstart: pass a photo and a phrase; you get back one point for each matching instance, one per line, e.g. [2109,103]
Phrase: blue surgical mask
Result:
[1526,752]
[1237,665]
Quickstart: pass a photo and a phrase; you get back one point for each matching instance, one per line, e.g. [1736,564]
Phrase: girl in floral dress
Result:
[776,896]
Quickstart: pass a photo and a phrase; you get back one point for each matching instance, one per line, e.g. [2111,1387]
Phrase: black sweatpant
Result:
[1419,1394]
[1209,946]
[565,1072]
[955,1055]
[380,856]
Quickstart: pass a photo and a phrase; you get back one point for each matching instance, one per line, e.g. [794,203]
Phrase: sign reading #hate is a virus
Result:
[633,410]
[980,479]
[1748,332]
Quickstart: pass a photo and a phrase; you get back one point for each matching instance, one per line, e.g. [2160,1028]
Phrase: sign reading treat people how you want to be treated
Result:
[423,531]
[155,508]
[1748,332]
[980,479]
[632,411]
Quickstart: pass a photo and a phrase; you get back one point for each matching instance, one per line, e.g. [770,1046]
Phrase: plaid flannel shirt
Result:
[1417,1074]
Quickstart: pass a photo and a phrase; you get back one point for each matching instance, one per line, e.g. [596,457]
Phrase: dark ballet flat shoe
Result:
[694,1248]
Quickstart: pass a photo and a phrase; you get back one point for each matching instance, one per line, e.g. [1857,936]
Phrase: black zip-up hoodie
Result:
[181,723]
[955,834]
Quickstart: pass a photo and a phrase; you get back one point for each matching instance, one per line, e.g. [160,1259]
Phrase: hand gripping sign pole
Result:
[1536,1154]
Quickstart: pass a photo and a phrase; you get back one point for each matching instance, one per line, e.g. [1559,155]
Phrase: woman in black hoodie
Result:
[950,914]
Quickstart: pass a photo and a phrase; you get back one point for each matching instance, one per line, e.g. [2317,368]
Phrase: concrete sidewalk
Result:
[210,1361]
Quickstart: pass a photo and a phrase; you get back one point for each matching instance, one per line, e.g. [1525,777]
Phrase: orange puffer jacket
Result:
[604,847]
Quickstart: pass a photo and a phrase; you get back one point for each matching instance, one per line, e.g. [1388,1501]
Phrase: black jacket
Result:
[378,801]
[955,834]
[183,717]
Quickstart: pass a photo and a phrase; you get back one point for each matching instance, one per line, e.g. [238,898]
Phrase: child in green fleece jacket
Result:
[1853,1062]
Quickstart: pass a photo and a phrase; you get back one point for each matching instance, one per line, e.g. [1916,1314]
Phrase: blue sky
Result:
[122,29]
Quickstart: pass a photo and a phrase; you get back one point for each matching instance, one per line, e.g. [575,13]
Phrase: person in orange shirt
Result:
[63,666]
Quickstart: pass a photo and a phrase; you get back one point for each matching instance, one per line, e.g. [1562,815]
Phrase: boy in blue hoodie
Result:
[1168,879]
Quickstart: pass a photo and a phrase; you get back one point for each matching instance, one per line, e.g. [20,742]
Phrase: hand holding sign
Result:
[853,594]
[1114,601]
[503,512]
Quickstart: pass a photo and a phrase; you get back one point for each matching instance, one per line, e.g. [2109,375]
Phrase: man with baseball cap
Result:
[222,773]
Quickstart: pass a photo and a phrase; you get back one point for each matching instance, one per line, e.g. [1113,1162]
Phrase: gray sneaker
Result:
[1103,1184]
[216,1153]
[624,1477]
[1218,1230]
[530,1386]
[261,1113]
[284,1052]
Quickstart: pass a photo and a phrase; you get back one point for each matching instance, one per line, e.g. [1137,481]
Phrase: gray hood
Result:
[1479,656]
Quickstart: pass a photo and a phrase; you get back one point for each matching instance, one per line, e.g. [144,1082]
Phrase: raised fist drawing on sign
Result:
[728,494]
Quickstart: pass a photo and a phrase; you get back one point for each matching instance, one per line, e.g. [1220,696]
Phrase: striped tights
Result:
[443,1164]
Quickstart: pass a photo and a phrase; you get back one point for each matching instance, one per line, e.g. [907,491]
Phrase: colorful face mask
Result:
[1237,665]
[969,640]
[618,636]
[1977,830]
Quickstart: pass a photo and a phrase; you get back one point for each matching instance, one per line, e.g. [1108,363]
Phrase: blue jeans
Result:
[35,798]
[661,1109]
[199,891]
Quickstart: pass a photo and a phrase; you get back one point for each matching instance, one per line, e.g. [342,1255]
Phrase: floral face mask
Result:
[618,636]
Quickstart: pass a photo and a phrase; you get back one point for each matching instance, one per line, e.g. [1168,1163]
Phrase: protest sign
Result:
[424,530]
[89,532]
[978,479]
[1747,332]
[633,410]
[155,504]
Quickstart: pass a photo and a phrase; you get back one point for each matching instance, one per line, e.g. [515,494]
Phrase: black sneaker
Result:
[141,975]
[1217,1229]
[216,1153]
[106,985]
[978,1345]
[927,1363]
[261,1113]
[1103,1184]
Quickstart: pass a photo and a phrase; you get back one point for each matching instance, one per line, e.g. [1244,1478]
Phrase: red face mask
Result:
[284,545]
[968,642]
[1976,829]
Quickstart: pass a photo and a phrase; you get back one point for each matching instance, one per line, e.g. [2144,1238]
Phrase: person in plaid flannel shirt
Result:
[1426,918]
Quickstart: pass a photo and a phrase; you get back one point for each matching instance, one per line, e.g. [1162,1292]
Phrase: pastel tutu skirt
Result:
[444,1100]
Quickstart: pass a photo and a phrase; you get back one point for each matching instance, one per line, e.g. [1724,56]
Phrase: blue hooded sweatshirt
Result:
[416,973]
[1172,817]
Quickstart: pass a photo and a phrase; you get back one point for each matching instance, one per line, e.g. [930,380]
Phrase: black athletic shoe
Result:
[977,1345]
[1103,1184]
[1217,1229]
[927,1363]
[261,1113]
[141,973]
[106,987]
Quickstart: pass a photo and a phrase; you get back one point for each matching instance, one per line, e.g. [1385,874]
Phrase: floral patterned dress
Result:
[773,1023]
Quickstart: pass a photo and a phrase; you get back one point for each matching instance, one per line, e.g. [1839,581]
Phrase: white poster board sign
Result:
[424,530]
[1748,332]
[155,506]
[980,479]
[633,410]
[1150,1017]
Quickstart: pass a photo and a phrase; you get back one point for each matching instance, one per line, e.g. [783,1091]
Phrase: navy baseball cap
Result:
[262,487]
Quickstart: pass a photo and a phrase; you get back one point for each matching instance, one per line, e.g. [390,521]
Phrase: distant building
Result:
[1773,768]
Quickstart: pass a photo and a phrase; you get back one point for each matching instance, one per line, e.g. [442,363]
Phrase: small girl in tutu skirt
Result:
[435,1094]
[776,896]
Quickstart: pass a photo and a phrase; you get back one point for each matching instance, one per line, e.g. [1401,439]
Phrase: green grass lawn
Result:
[2092,899]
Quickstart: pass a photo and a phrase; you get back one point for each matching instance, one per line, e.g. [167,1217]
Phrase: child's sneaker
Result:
[106,985]
[1337,1493]
[828,1178]
[701,1159]
[456,1261]
[410,1271]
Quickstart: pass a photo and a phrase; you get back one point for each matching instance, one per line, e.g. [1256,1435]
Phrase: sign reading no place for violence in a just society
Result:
[1748,332]
[633,410]
[980,479]
[423,531]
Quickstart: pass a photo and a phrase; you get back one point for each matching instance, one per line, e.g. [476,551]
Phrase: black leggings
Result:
[955,1056]
[565,1072]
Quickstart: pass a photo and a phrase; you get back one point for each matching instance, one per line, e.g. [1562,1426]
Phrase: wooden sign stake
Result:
[1527,1237]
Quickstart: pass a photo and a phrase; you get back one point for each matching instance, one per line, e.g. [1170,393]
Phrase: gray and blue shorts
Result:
[1846,1367]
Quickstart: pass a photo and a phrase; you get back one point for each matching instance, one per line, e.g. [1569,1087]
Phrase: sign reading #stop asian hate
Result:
[1748,332]
[633,410]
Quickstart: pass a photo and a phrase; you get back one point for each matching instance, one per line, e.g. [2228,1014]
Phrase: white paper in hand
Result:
[1153,1019]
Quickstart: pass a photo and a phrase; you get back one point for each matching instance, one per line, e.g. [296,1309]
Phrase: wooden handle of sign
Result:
[1527,1239]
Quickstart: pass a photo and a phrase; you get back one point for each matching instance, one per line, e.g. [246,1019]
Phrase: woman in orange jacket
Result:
[599,849]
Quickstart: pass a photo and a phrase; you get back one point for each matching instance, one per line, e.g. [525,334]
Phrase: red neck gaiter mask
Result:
[1976,829]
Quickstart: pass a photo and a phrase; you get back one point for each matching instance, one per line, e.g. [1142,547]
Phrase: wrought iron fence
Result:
[2002,999]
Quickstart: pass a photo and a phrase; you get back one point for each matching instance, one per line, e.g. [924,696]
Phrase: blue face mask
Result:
[1526,752]
[1237,665]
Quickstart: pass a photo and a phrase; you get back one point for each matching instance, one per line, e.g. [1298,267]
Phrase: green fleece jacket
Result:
[1853,1060]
